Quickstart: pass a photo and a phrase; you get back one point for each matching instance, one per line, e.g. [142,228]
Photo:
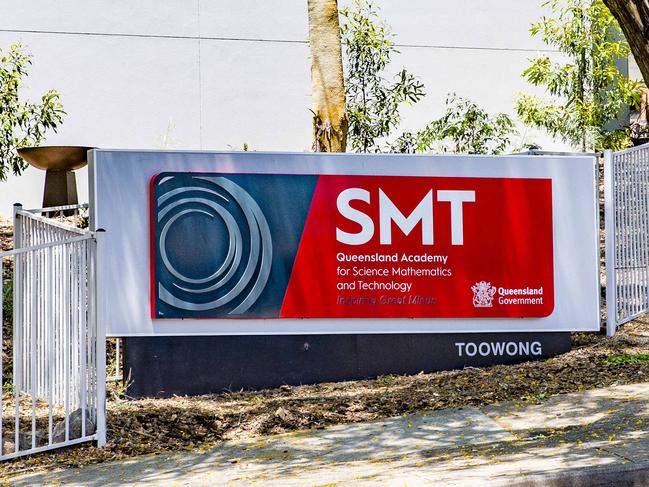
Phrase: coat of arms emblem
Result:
[483,294]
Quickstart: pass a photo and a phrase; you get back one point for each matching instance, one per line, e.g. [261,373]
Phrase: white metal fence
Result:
[69,267]
[626,205]
[57,397]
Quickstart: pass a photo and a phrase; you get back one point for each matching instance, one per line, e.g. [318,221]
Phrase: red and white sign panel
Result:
[425,247]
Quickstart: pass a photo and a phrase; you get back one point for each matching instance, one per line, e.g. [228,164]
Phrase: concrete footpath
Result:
[598,437]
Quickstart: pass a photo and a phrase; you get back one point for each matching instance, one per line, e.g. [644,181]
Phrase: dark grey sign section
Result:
[244,222]
[160,366]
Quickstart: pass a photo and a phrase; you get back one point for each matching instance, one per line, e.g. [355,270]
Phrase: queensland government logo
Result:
[483,294]
[212,245]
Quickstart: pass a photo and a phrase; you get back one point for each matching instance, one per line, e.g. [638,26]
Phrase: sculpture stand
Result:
[60,189]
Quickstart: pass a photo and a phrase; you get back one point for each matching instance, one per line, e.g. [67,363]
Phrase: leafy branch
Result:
[22,123]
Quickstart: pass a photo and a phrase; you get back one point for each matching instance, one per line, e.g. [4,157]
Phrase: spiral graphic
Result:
[239,279]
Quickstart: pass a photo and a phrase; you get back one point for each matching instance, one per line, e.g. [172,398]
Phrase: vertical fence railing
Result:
[55,395]
[31,229]
[626,205]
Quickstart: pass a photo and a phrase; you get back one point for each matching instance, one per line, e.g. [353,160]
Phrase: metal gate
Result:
[626,205]
[55,394]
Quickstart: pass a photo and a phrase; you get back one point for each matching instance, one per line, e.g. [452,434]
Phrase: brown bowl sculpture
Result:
[55,158]
[58,162]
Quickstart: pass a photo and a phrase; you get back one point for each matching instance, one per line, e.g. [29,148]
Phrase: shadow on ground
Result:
[599,429]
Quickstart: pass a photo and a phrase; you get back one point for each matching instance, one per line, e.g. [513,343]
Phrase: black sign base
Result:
[191,365]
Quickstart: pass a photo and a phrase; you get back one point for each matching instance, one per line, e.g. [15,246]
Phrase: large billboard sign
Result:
[263,243]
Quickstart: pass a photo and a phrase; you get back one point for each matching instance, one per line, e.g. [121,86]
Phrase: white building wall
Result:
[215,74]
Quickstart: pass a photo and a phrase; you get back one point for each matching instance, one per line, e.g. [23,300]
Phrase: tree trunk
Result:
[327,85]
[633,17]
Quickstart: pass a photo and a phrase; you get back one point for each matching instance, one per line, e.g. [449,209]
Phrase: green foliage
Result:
[22,123]
[587,90]
[8,301]
[373,102]
[627,359]
[386,380]
[464,128]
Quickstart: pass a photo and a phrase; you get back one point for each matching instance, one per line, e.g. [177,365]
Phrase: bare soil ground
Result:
[138,427]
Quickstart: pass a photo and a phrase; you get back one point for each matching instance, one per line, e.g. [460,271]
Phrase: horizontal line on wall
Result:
[477,48]
[246,39]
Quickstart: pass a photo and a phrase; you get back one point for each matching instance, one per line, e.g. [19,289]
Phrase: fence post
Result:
[610,243]
[101,337]
[17,226]
[17,304]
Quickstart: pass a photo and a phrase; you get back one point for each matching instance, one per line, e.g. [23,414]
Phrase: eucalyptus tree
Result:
[376,92]
[22,123]
[587,90]
[374,97]
[327,82]
[633,17]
